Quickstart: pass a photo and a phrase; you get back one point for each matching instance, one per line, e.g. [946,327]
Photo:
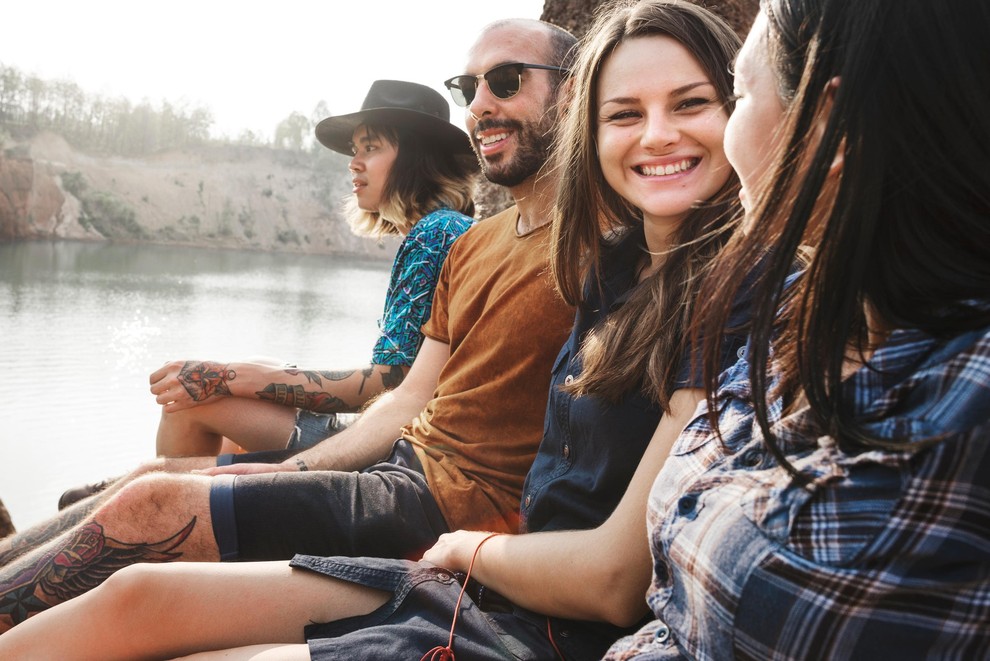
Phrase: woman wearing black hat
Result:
[413,175]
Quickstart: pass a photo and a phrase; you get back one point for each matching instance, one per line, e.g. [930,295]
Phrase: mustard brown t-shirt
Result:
[496,307]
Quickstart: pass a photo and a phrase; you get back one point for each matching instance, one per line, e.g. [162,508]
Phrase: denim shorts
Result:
[311,428]
[418,617]
[386,510]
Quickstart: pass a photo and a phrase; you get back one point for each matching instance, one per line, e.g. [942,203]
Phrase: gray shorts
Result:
[386,510]
[311,428]
[419,615]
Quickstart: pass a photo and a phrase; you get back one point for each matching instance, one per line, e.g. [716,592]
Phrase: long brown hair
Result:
[903,232]
[641,345]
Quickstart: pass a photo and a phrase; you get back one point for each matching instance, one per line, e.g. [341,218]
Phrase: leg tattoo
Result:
[86,559]
[17,545]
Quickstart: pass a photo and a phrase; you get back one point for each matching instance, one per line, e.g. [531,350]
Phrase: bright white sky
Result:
[251,64]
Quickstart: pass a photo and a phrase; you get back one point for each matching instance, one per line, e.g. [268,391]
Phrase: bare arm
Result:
[371,437]
[184,384]
[611,563]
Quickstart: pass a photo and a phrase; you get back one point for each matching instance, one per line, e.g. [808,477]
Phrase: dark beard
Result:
[533,143]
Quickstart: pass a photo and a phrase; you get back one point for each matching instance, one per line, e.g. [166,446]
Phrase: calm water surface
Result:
[83,325]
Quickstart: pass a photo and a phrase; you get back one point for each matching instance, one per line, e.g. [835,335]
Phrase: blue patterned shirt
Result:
[410,289]
[886,554]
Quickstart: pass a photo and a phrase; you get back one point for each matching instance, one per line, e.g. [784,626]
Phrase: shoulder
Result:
[446,222]
[500,226]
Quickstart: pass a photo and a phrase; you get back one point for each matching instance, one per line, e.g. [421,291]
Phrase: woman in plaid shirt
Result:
[844,511]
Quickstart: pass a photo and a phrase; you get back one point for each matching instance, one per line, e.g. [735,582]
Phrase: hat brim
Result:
[336,132]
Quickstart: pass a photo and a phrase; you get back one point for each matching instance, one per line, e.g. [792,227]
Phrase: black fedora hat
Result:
[397,103]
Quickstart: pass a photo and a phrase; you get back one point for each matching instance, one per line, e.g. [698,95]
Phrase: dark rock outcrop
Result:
[6,526]
[576,15]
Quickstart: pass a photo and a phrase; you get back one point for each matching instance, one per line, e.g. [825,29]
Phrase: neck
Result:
[534,201]
[659,235]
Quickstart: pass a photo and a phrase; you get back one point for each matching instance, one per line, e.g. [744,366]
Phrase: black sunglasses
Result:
[503,81]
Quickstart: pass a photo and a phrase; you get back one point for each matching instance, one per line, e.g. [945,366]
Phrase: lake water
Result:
[83,325]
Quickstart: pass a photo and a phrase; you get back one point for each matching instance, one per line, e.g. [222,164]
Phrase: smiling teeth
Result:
[672,168]
[489,139]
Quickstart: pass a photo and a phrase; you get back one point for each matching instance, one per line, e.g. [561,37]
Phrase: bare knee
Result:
[189,432]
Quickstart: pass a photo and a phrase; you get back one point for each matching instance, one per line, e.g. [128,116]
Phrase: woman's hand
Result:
[184,384]
[454,550]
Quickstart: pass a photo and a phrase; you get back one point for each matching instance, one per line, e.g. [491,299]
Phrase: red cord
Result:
[447,653]
[552,641]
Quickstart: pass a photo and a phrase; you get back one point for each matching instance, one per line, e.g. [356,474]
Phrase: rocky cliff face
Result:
[215,196]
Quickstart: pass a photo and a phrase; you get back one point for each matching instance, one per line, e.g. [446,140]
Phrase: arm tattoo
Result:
[314,377]
[393,377]
[87,559]
[301,465]
[366,373]
[294,395]
[205,380]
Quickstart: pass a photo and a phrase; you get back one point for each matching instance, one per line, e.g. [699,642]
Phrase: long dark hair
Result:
[642,344]
[422,179]
[902,238]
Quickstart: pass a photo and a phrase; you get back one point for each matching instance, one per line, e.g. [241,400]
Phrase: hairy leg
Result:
[16,545]
[175,608]
[252,424]
[156,518]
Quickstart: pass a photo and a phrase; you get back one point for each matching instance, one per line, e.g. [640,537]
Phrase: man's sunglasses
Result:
[503,81]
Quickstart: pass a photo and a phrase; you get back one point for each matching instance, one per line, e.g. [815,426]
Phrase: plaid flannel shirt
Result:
[886,554]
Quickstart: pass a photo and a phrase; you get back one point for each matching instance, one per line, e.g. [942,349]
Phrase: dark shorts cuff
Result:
[222,514]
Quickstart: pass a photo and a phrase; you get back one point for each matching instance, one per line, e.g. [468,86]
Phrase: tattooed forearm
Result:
[393,377]
[86,559]
[314,377]
[205,380]
[295,395]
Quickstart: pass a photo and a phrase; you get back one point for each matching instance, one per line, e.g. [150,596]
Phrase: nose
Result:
[355,164]
[660,131]
[483,102]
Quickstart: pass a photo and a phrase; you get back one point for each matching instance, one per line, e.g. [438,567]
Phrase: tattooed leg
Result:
[150,520]
[79,564]
[16,545]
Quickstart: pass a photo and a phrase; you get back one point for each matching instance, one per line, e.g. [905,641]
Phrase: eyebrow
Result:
[680,91]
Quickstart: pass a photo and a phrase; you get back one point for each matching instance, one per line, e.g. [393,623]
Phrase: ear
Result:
[835,169]
[564,91]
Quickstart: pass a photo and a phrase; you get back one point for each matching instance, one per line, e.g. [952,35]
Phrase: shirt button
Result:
[529,499]
[443,577]
[662,634]
[567,451]
[686,504]
[569,379]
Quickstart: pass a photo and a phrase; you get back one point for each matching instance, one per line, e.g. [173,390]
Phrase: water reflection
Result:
[82,326]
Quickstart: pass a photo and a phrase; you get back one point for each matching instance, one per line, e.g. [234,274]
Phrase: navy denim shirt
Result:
[590,448]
